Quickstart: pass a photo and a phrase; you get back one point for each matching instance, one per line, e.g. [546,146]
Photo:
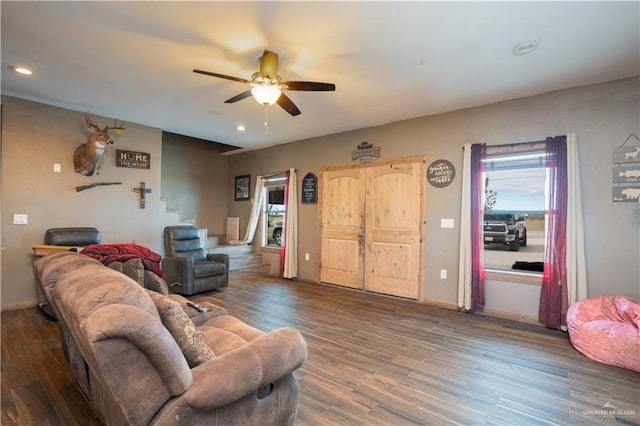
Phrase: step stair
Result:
[240,257]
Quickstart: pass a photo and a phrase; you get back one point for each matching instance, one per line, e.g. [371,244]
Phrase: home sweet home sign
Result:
[133,159]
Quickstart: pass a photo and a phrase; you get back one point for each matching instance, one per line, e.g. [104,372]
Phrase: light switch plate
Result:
[443,274]
[446,223]
[20,219]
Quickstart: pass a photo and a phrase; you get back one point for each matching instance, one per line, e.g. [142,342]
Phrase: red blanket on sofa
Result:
[107,253]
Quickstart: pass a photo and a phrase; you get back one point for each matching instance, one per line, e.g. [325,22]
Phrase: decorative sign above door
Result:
[365,152]
[441,173]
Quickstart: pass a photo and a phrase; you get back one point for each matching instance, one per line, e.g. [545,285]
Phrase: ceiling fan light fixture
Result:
[266,94]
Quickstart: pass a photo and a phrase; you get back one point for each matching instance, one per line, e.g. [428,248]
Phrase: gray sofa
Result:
[140,358]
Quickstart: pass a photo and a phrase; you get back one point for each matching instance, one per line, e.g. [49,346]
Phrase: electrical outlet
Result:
[20,219]
[57,168]
[306,256]
[443,274]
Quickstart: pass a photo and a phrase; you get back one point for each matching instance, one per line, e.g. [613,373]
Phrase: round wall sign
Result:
[441,173]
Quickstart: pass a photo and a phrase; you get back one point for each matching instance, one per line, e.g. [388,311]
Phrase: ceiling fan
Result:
[267,85]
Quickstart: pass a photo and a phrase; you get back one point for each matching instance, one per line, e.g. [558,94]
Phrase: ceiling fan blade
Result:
[310,86]
[226,77]
[238,97]
[288,105]
[269,65]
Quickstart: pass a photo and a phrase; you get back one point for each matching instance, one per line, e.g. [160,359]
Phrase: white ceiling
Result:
[389,60]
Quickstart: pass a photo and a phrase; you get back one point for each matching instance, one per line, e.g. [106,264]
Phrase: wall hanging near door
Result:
[242,187]
[309,189]
[626,171]
[441,173]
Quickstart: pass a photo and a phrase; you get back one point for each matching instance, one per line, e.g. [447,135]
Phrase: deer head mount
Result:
[88,157]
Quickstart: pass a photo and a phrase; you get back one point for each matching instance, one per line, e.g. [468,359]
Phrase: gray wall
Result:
[194,181]
[34,137]
[601,115]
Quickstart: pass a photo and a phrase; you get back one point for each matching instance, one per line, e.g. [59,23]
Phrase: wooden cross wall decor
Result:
[143,191]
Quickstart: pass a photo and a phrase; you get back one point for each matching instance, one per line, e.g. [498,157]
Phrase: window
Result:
[514,203]
[274,210]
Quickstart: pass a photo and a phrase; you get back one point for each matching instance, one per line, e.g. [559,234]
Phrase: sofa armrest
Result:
[222,258]
[144,331]
[219,257]
[177,270]
[242,371]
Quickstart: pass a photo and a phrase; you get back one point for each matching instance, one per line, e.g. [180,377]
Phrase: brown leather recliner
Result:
[188,268]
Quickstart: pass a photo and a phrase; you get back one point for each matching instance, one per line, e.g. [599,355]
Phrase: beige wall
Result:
[194,181]
[34,137]
[601,115]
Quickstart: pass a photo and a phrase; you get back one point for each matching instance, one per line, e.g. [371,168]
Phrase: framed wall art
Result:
[310,189]
[626,171]
[243,187]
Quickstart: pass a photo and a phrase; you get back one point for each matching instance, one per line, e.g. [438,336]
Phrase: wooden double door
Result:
[372,219]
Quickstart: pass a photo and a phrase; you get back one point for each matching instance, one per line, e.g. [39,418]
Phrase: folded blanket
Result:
[107,253]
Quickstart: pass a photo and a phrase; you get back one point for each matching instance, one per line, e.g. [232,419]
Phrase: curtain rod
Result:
[272,174]
[514,144]
[515,147]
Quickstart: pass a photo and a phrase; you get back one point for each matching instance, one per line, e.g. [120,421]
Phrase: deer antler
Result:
[93,126]
[116,127]
[90,124]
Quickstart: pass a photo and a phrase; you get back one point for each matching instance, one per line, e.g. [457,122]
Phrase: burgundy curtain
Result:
[478,155]
[283,246]
[553,295]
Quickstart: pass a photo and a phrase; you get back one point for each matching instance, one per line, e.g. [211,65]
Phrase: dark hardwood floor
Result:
[373,360]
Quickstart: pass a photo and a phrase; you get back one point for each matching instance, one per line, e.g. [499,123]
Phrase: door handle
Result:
[361,242]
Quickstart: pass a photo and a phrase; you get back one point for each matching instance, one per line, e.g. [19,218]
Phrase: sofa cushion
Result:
[184,332]
[225,333]
[48,269]
[72,236]
[153,282]
[133,268]
[222,341]
[198,317]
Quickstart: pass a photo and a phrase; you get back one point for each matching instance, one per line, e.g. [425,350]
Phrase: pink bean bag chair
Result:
[606,329]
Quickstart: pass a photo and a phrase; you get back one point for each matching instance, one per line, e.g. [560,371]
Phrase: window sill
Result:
[530,278]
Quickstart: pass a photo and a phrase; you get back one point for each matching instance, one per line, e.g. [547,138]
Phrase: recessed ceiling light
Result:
[21,70]
[525,47]
[240,128]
